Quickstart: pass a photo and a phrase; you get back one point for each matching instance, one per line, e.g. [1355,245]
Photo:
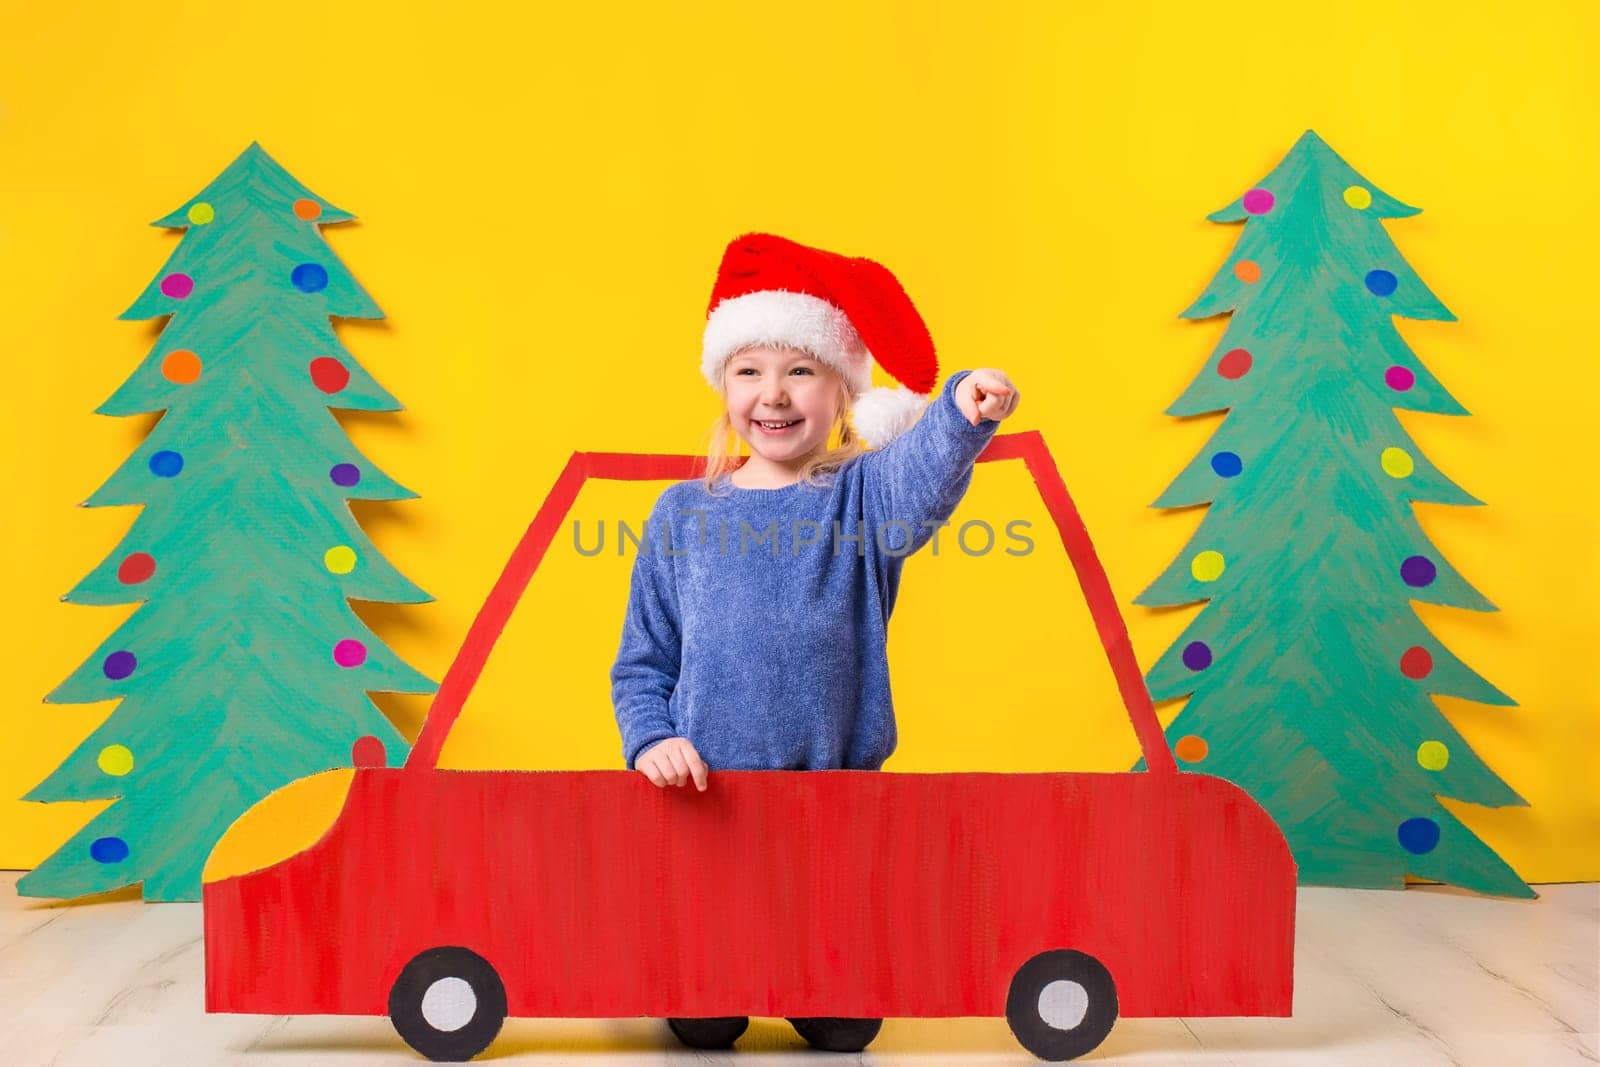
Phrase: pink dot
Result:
[349,653]
[1399,378]
[177,286]
[1258,201]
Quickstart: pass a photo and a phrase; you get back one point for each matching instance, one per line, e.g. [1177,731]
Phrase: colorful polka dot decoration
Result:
[181,366]
[1247,271]
[1197,655]
[1418,571]
[309,277]
[307,209]
[108,850]
[329,375]
[136,567]
[1416,662]
[1358,197]
[1381,282]
[1191,749]
[115,760]
[177,286]
[350,653]
[201,213]
[1258,201]
[1227,464]
[1399,378]
[1235,364]
[1418,836]
[340,559]
[119,665]
[166,464]
[1433,756]
[1208,566]
[1397,463]
[345,475]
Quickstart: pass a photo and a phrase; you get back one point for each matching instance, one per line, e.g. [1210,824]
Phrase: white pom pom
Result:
[880,415]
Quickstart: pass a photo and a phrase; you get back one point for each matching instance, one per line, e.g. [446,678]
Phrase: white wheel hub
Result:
[1063,1004]
[449,1004]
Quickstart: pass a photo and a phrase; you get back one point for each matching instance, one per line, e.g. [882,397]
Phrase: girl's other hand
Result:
[673,762]
[986,393]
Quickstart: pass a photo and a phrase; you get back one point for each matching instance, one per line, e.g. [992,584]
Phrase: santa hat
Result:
[847,312]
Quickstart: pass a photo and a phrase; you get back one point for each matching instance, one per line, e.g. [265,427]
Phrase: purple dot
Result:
[349,653]
[1258,201]
[1418,571]
[1399,378]
[119,665]
[345,474]
[1197,655]
[177,286]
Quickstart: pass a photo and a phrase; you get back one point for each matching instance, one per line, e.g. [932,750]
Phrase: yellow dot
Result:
[116,760]
[340,559]
[1397,462]
[1208,566]
[1358,197]
[1432,755]
[201,213]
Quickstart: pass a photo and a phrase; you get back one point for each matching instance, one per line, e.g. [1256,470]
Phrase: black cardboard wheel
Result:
[448,1004]
[1062,1004]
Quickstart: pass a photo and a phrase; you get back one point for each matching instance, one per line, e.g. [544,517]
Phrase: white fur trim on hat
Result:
[880,415]
[779,317]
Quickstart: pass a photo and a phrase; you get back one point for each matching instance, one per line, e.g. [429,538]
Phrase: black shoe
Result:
[837,1035]
[718,1032]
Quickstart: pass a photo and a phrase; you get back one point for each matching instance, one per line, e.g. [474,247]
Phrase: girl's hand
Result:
[673,762]
[986,393]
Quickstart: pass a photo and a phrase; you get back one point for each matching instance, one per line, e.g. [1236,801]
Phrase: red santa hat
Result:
[845,311]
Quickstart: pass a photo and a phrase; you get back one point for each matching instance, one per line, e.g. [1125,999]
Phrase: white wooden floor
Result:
[1427,976]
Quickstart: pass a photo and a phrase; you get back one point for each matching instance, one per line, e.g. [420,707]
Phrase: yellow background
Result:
[544,194]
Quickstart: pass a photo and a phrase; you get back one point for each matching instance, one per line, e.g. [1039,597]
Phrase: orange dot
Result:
[1247,271]
[1191,749]
[181,366]
[307,209]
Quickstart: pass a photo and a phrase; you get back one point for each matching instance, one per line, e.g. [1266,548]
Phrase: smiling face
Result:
[783,402]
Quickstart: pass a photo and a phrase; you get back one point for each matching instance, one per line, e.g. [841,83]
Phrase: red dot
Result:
[368,752]
[136,568]
[329,374]
[1236,364]
[1416,662]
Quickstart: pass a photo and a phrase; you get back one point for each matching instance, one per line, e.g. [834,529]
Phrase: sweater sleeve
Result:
[646,669]
[921,476]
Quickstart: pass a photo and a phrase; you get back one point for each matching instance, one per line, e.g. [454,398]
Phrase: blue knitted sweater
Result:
[757,621]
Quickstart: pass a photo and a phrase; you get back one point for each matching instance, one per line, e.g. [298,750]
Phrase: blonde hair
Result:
[814,471]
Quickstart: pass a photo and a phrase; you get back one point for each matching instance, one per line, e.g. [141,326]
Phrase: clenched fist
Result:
[986,393]
[672,762]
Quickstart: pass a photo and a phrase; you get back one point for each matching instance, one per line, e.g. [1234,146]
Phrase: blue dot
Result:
[166,464]
[1381,282]
[109,850]
[1227,464]
[1418,835]
[310,278]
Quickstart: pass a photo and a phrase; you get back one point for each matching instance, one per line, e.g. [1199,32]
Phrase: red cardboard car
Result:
[451,899]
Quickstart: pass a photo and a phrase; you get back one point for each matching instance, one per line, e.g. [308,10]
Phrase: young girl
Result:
[756,629]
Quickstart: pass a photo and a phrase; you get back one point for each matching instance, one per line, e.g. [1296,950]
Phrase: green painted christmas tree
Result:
[1310,672]
[244,668]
